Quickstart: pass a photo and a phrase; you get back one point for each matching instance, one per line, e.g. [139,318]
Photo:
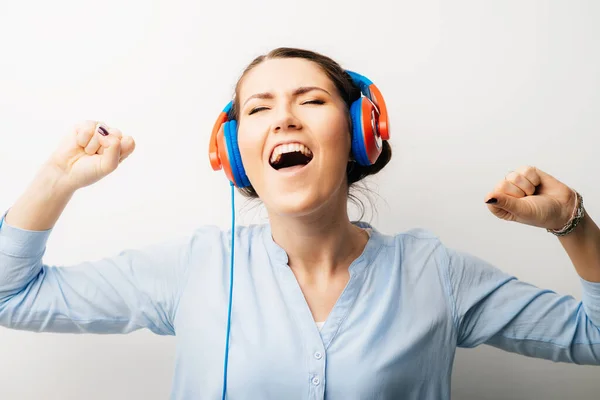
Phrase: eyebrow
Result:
[297,92]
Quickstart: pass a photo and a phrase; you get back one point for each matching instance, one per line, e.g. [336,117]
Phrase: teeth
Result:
[289,148]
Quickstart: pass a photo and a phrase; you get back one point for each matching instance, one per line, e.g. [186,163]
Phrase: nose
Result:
[285,121]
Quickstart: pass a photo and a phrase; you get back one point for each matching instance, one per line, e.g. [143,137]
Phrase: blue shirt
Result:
[393,332]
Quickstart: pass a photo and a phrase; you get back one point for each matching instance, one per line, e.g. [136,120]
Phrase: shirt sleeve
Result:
[495,308]
[133,290]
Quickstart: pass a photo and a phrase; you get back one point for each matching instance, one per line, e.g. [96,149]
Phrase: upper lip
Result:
[285,142]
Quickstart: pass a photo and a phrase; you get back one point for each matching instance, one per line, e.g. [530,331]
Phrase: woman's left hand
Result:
[532,197]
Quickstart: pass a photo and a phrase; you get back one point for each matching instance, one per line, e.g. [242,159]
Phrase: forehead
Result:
[283,75]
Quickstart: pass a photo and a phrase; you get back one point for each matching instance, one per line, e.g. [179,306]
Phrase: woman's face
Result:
[293,135]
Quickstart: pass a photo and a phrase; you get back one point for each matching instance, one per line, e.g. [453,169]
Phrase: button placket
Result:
[317,373]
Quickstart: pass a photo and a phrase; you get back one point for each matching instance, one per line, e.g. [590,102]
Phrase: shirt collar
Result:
[368,255]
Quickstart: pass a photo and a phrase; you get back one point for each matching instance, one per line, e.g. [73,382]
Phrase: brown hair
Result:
[346,88]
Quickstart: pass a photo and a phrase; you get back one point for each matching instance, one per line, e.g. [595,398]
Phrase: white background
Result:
[474,90]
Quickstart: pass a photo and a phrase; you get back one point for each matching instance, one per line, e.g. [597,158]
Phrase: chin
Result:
[294,203]
[302,192]
[305,201]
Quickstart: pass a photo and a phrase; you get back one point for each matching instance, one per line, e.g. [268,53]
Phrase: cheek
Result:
[337,140]
[250,143]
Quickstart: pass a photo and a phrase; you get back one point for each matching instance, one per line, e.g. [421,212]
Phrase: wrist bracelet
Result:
[578,214]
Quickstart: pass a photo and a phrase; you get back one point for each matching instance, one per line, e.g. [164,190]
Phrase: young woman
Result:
[321,306]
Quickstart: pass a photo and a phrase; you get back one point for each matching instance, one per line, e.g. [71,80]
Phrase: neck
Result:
[322,243]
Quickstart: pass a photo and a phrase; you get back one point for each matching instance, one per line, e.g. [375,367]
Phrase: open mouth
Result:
[290,155]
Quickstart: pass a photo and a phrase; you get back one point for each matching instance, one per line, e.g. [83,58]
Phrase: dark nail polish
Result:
[492,201]
[102,131]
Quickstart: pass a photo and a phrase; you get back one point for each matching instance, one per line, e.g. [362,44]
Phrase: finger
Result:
[127,147]
[113,132]
[112,152]
[84,132]
[532,174]
[547,179]
[509,188]
[520,181]
[94,144]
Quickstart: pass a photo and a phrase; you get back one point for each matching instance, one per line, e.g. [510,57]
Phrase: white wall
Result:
[474,88]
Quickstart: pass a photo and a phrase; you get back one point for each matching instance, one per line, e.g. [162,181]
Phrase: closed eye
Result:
[256,109]
[314,102]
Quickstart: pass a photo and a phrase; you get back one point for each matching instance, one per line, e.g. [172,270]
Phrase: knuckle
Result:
[115,141]
[89,126]
[86,123]
[84,127]
[84,133]
[502,186]
[116,132]
[527,170]
[511,176]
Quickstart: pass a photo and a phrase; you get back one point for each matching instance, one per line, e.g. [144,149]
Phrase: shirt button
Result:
[318,355]
[316,380]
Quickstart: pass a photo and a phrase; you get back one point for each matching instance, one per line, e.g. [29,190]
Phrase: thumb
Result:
[500,204]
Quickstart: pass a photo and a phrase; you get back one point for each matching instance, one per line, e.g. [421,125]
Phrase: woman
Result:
[322,306]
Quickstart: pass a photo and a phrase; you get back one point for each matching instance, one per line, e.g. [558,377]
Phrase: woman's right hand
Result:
[86,155]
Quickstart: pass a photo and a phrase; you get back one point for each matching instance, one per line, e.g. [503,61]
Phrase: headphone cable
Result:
[230,293]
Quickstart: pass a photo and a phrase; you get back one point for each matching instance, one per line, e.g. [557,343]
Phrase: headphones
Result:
[370,126]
